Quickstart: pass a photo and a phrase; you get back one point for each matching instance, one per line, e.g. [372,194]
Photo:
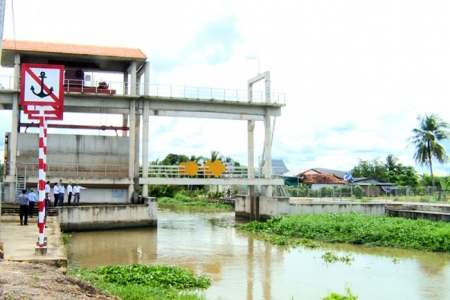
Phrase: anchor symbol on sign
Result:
[41,94]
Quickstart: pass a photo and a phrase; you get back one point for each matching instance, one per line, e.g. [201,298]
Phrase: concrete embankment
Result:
[419,211]
[270,207]
[20,241]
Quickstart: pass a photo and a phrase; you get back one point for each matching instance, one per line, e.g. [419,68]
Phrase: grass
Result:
[66,238]
[133,282]
[356,228]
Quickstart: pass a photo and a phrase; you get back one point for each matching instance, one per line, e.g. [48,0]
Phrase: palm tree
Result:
[392,163]
[432,129]
[216,155]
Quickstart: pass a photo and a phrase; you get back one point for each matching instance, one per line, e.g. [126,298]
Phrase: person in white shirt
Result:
[62,192]
[56,193]
[32,198]
[76,191]
[47,187]
[69,192]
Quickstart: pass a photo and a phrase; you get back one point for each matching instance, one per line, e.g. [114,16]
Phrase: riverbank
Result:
[39,281]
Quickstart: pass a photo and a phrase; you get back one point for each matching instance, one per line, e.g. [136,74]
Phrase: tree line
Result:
[426,139]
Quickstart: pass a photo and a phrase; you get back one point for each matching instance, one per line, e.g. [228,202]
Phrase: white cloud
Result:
[356,74]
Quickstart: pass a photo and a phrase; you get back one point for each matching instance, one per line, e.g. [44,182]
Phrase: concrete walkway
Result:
[19,242]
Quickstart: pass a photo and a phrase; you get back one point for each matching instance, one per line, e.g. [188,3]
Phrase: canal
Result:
[244,267]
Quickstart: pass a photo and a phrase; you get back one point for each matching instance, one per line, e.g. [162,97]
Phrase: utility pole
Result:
[2,22]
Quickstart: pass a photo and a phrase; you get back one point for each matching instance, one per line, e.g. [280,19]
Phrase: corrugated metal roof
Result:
[48,47]
[278,166]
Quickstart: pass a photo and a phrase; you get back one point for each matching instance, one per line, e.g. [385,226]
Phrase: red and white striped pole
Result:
[42,177]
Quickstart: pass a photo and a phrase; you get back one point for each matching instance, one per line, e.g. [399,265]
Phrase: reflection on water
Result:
[243,267]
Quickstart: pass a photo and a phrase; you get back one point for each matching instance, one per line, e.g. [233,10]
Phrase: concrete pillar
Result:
[267,86]
[125,83]
[145,115]
[133,133]
[251,154]
[124,124]
[134,92]
[131,146]
[13,141]
[16,83]
[125,92]
[133,81]
[268,150]
[147,79]
[145,128]
[137,139]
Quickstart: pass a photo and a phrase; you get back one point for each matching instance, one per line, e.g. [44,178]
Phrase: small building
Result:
[296,176]
[374,188]
[318,181]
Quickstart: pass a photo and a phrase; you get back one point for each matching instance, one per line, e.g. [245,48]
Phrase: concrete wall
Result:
[427,215]
[76,156]
[101,196]
[270,207]
[83,218]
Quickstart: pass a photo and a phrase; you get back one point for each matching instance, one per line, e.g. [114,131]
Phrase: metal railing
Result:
[422,194]
[81,170]
[121,171]
[205,172]
[159,90]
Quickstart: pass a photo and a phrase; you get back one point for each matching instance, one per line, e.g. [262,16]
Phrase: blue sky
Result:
[356,74]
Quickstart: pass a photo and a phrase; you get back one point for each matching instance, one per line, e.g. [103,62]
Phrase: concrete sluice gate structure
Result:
[109,166]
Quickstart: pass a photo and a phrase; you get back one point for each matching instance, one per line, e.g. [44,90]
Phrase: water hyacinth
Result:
[153,276]
[359,229]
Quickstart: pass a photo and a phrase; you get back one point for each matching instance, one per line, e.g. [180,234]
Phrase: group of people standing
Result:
[27,201]
[59,191]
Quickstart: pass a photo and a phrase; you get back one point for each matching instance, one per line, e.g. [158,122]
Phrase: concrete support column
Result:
[251,153]
[131,145]
[267,86]
[268,150]
[145,129]
[125,83]
[145,115]
[124,124]
[16,82]
[147,78]
[14,130]
[125,92]
[133,81]
[137,132]
[13,147]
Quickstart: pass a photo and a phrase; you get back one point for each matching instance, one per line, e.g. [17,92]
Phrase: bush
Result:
[358,192]
[326,191]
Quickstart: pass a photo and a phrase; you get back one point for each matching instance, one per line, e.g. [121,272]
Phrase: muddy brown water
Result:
[245,267]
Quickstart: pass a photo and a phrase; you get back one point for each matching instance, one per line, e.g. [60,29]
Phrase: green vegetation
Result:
[66,238]
[389,171]
[355,228]
[330,257]
[280,240]
[432,129]
[335,296]
[183,198]
[145,282]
